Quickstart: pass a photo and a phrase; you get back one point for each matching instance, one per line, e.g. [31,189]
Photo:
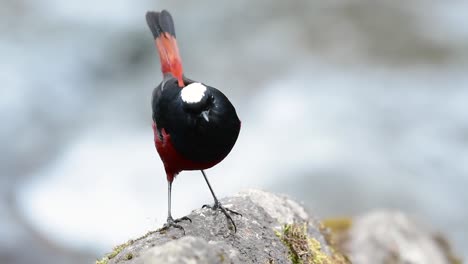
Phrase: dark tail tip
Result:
[152,19]
[160,22]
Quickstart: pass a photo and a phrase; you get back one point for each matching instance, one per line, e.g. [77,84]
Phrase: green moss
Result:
[116,250]
[335,232]
[305,250]
[338,224]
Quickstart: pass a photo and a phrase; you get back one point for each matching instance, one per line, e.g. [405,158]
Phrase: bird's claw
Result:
[173,223]
[219,206]
[224,210]
[182,219]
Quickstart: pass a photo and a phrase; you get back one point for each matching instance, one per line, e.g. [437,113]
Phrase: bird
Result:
[195,125]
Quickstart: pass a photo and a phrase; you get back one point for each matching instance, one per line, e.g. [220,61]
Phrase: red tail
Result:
[162,27]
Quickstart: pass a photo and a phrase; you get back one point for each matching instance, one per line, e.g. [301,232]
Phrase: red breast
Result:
[172,160]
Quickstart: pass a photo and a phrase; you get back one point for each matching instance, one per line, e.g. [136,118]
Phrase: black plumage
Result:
[202,132]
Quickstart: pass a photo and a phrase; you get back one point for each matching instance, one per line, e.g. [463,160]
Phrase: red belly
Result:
[172,160]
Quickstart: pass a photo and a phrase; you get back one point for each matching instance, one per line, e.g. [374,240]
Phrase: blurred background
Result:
[346,106]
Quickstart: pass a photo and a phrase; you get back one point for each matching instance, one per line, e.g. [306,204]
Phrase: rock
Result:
[388,236]
[276,229]
[272,229]
[187,249]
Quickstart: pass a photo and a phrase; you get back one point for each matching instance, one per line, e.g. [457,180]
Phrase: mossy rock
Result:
[304,249]
[115,251]
[273,229]
[276,229]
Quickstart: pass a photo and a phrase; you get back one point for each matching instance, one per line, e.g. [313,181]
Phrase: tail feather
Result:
[166,23]
[163,30]
[152,19]
[160,22]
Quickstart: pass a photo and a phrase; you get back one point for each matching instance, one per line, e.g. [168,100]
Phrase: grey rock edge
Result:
[377,237]
[210,239]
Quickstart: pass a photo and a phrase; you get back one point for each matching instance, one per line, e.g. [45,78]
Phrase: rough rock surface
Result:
[210,239]
[276,229]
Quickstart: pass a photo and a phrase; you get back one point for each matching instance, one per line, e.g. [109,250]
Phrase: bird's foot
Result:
[171,222]
[217,206]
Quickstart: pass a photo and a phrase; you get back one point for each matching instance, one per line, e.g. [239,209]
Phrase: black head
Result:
[202,122]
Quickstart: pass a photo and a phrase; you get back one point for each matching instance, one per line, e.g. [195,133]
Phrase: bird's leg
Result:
[218,206]
[170,221]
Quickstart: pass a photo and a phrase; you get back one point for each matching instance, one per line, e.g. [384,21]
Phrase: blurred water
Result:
[348,106]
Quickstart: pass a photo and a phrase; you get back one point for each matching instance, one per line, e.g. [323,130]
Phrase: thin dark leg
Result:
[169,191]
[170,221]
[211,189]
[217,205]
